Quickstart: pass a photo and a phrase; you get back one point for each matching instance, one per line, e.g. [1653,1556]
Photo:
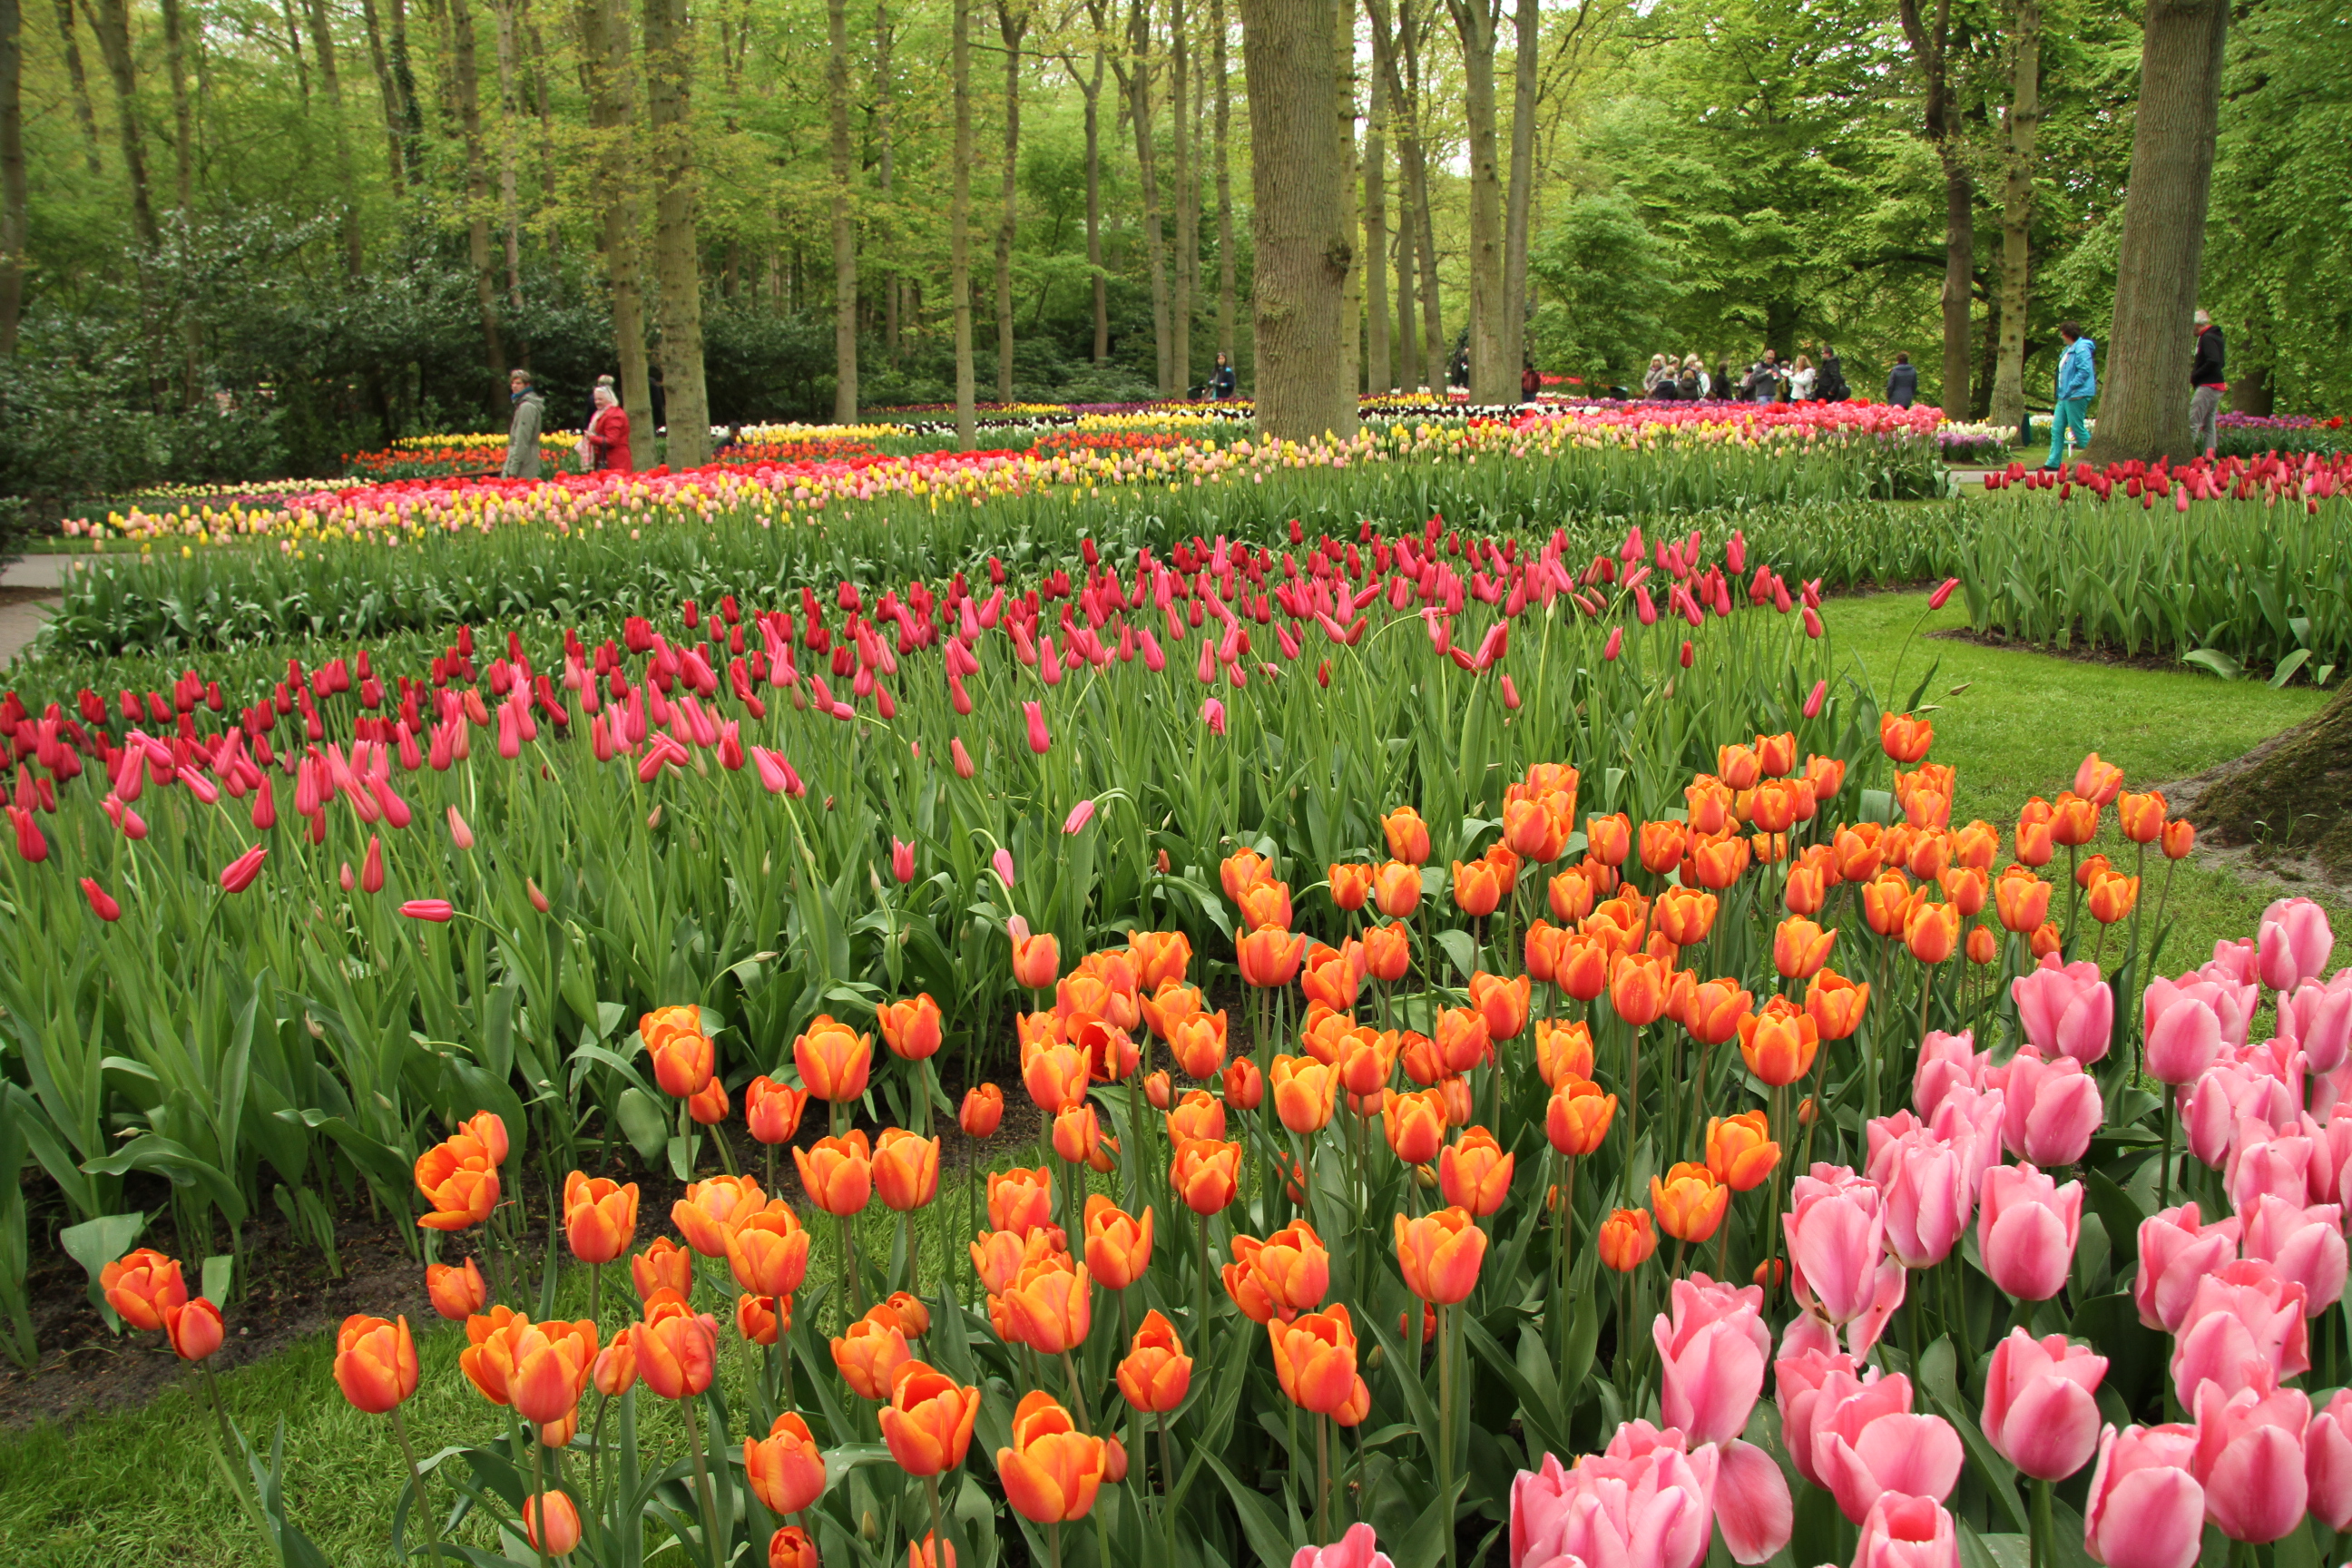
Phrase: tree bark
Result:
[960,227]
[1184,196]
[294,47]
[404,78]
[1410,30]
[1491,381]
[1304,239]
[885,170]
[183,149]
[509,195]
[1011,25]
[389,94]
[669,85]
[604,49]
[1343,131]
[1378,378]
[1525,76]
[845,221]
[113,26]
[15,191]
[1220,151]
[1091,87]
[330,82]
[2024,122]
[1136,78]
[2145,413]
[478,192]
[84,113]
[1940,123]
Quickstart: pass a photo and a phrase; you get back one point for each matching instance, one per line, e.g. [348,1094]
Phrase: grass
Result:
[139,1488]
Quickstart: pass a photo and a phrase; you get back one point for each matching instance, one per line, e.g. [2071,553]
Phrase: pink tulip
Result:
[2232,964]
[2292,943]
[2145,1509]
[2327,1462]
[2067,1009]
[1928,1198]
[1212,714]
[102,903]
[1712,1354]
[2305,1245]
[2262,1160]
[1081,815]
[1609,652]
[1750,1495]
[960,758]
[1039,740]
[1651,1511]
[2250,1460]
[2244,1329]
[1867,1442]
[902,861]
[2050,1108]
[2331,1142]
[2176,1251]
[1808,1357]
[2184,1031]
[239,874]
[1002,863]
[460,833]
[1836,1235]
[2026,1230]
[1971,1120]
[1820,690]
[1905,1531]
[1357,1549]
[2319,1020]
[438,910]
[1946,1060]
[2041,1410]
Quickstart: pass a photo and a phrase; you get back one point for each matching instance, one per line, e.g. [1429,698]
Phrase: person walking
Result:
[1903,382]
[1801,380]
[1222,380]
[607,438]
[522,436]
[1763,384]
[1831,386]
[2078,382]
[1530,383]
[2205,377]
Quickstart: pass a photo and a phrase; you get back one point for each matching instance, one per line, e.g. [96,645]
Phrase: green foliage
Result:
[1608,282]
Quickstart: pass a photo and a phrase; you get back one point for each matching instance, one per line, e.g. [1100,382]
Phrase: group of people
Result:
[605,444]
[2078,382]
[1768,379]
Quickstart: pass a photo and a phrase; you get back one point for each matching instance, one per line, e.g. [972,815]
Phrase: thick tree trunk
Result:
[1221,153]
[1136,76]
[84,113]
[14,201]
[2024,122]
[1011,25]
[669,84]
[1525,76]
[1408,372]
[2145,411]
[1343,132]
[1303,243]
[845,220]
[477,194]
[404,78]
[960,227]
[1376,370]
[2253,392]
[1184,197]
[1092,87]
[390,96]
[1410,30]
[113,26]
[183,141]
[330,82]
[1491,380]
[885,171]
[1940,124]
[604,49]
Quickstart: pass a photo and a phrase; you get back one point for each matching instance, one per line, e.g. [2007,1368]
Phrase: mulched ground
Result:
[2081,653]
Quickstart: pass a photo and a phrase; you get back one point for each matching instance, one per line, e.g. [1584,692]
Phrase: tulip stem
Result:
[1077,1393]
[1053,1543]
[539,1494]
[2043,1539]
[1322,1477]
[1446,1423]
[711,1546]
[416,1477]
[229,1452]
[938,1554]
[2164,1169]
[849,1265]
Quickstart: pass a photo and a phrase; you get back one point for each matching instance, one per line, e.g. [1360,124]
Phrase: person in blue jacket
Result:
[2078,382]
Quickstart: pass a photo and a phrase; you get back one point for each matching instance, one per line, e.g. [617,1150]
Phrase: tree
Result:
[1303,243]
[1376,369]
[1011,25]
[478,189]
[1525,77]
[845,221]
[2145,413]
[2024,120]
[1932,43]
[14,197]
[1135,79]
[1221,154]
[676,271]
[605,50]
[112,25]
[960,226]
[1491,379]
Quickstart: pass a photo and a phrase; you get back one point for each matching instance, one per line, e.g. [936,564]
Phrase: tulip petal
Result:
[1752,1505]
[2153,1519]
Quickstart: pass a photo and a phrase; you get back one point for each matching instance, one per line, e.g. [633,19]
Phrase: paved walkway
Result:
[20,621]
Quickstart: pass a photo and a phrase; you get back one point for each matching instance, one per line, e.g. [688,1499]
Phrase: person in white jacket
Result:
[1801,380]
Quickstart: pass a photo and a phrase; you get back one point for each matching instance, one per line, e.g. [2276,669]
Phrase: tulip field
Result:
[1401,1003]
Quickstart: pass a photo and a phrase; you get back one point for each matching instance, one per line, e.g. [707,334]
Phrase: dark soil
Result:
[2293,793]
[25,596]
[2081,653]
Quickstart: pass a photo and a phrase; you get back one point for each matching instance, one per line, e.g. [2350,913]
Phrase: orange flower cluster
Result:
[459,1175]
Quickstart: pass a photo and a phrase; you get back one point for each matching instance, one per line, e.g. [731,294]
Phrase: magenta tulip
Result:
[2184,1031]
[1039,740]
[2327,1462]
[2292,943]
[1904,1532]
[2026,1230]
[2305,1244]
[2244,1327]
[902,861]
[2176,1251]
[1867,1442]
[2249,1458]
[2145,1509]
[1711,1355]
[438,910]
[239,874]
[2050,1108]
[2041,1410]
[2067,1009]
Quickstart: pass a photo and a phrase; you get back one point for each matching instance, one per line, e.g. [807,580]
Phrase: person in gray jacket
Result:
[522,436]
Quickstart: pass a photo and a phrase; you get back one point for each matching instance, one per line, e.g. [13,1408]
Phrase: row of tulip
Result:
[1505,1213]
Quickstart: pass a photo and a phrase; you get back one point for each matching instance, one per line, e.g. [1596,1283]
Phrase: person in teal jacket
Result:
[2078,382]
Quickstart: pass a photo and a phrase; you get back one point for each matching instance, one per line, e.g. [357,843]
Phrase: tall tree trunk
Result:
[2024,121]
[604,47]
[2145,413]
[1410,30]
[1011,25]
[1491,381]
[183,141]
[669,122]
[885,171]
[1526,75]
[330,82]
[15,199]
[1410,372]
[1092,87]
[1387,43]
[478,191]
[389,94]
[113,26]
[535,59]
[403,80]
[84,113]
[1136,76]
[509,192]
[1378,374]
[1940,123]
[1304,238]
[2253,392]
[1184,196]
[845,221]
[1343,131]
[960,227]
[1221,153]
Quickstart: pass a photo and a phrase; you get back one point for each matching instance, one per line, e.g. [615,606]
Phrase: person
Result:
[2205,377]
[1222,380]
[1903,382]
[1801,380]
[1693,379]
[1763,384]
[522,436]
[1723,383]
[1831,386]
[608,431]
[1530,384]
[2078,382]
[1651,377]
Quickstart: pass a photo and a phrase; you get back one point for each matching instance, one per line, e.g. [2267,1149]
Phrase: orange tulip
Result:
[1292,1267]
[906,1169]
[1707,804]
[1774,804]
[1305,1091]
[1119,1245]
[1563,1051]
[2112,898]
[708,1105]
[1835,1003]
[1637,989]
[1685,915]
[785,1470]
[1739,1149]
[1545,946]
[2020,898]
[1903,738]
[838,1172]
[1076,1133]
[1932,931]
[982,1110]
[1501,1005]
[1020,1200]
[869,1352]
[1270,959]
[2180,838]
[1626,1239]
[928,1423]
[1609,839]
[792,1548]
[550,1370]
[1314,1359]
[1539,830]
[2073,820]
[1396,888]
[677,1348]
[1474,1173]
[600,1217]
[615,1371]
[1714,1010]
[768,1250]
[710,1209]
[1887,900]
[1048,1307]
[1055,1076]
[1244,1086]
[2098,781]
[142,1285]
[1719,862]
[1690,1202]
[1662,845]
[1198,1114]
[1571,895]
[1583,969]
[1440,1255]
[375,1363]
[551,1522]
[1779,1044]
[773,1111]
[1799,948]
[1241,868]
[1156,1373]
[1982,946]
[1263,903]
[457,1289]
[1036,960]
[1332,975]
[1966,888]
[461,1180]
[488,1360]
[834,1060]
[756,1319]
[910,1029]
[1052,1470]
[2045,940]
[1168,1005]
[1477,888]
[682,1054]
[1454,1089]
[1805,891]
[1351,885]
[665,1266]
[1415,1124]
[1204,1174]
[998,1256]
[1161,957]
[1407,835]
[1577,1121]
[1388,951]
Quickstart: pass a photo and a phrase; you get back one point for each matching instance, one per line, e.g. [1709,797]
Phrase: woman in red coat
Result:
[608,431]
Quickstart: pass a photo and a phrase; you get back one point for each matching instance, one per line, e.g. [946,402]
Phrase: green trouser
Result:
[2067,414]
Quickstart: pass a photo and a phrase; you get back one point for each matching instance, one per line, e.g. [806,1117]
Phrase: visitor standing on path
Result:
[1903,382]
[1831,386]
[2078,382]
[1222,380]
[2205,377]
[522,436]
[608,431]
[1801,380]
